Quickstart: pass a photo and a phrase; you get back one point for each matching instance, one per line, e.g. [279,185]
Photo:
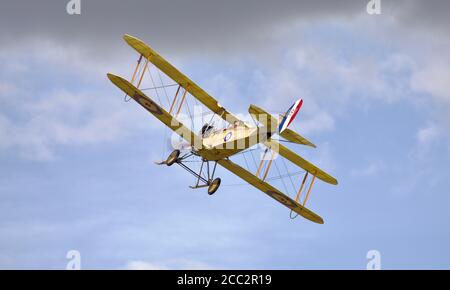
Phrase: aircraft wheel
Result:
[173,157]
[214,186]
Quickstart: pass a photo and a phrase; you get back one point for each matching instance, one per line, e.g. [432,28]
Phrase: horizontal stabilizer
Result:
[294,137]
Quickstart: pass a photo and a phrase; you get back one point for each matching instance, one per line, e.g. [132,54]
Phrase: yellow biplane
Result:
[216,146]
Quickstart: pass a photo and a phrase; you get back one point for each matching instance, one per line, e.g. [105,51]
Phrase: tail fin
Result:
[290,115]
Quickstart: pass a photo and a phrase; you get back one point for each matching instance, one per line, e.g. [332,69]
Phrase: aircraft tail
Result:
[280,125]
[289,116]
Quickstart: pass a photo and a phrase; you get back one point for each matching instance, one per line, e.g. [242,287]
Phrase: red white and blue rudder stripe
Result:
[289,116]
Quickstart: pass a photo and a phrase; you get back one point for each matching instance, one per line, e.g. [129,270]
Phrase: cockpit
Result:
[207,129]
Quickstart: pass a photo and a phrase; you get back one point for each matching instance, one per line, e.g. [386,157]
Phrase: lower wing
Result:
[270,191]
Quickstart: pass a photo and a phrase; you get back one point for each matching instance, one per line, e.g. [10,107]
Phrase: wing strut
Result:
[143,73]
[181,103]
[138,64]
[309,190]
[301,187]
[174,99]
[261,162]
[136,69]
[297,198]
[267,168]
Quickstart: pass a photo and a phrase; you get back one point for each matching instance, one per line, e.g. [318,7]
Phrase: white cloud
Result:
[314,120]
[371,169]
[322,157]
[427,138]
[281,87]
[26,55]
[434,79]
[33,121]
[38,124]
[427,135]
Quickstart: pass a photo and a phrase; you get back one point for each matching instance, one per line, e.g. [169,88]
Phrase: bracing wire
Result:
[267,179]
[254,161]
[282,180]
[164,146]
[201,114]
[154,85]
[160,87]
[164,87]
[285,175]
[190,115]
[280,176]
[285,167]
[246,163]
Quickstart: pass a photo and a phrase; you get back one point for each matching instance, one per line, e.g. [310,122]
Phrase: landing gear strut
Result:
[205,177]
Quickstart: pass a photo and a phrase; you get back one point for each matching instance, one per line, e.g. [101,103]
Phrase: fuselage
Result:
[229,141]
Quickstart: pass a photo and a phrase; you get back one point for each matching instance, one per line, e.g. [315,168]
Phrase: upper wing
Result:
[299,161]
[180,78]
[156,110]
[270,191]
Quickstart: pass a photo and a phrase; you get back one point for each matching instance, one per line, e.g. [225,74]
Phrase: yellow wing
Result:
[299,161]
[270,191]
[179,78]
[156,110]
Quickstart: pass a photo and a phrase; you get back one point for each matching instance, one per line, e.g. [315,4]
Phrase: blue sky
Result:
[76,162]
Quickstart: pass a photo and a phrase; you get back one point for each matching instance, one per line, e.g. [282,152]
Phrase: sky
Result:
[76,161]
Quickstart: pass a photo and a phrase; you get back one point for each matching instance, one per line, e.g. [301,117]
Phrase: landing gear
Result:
[205,177]
[213,186]
[173,157]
